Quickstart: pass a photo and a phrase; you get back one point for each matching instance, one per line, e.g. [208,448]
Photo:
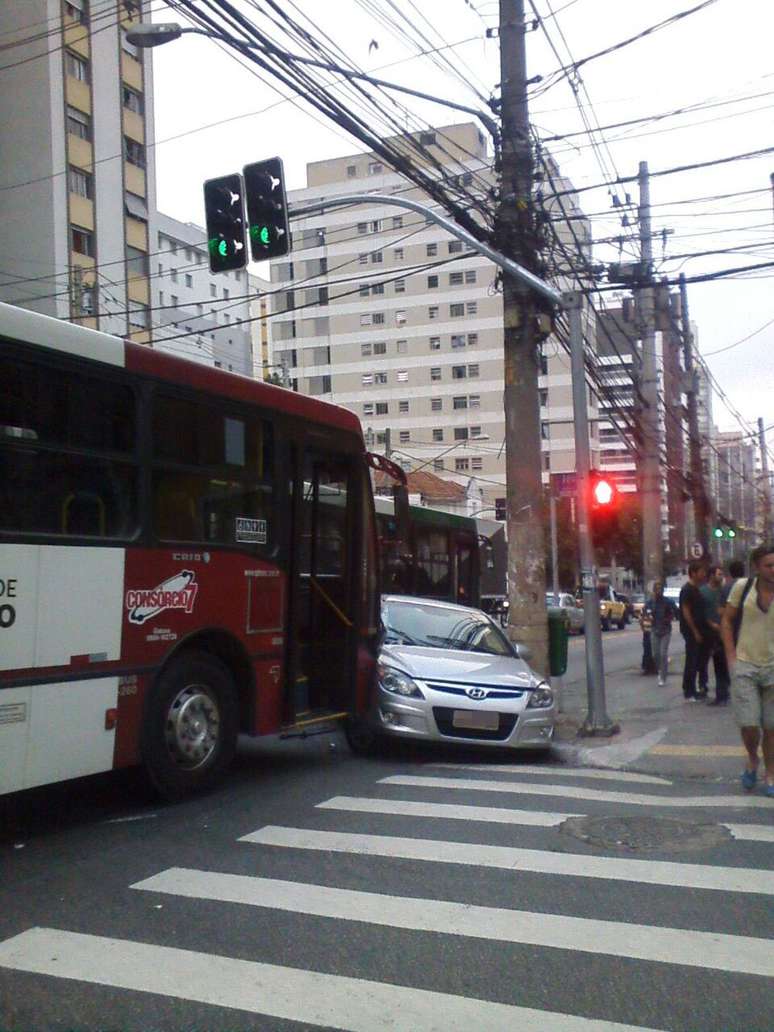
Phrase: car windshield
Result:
[438,627]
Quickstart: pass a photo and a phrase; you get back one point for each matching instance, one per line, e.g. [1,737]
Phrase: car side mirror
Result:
[523,652]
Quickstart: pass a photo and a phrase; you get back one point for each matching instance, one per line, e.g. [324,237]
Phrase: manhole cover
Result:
[640,834]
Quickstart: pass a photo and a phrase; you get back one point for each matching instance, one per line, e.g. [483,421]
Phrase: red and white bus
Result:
[185,555]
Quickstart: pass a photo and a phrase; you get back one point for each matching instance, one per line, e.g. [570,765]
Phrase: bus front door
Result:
[321,629]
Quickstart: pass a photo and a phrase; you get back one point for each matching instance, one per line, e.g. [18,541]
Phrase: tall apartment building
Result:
[203,317]
[382,311]
[77,176]
[737,492]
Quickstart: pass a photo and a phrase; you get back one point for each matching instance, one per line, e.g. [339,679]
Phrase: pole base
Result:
[604,730]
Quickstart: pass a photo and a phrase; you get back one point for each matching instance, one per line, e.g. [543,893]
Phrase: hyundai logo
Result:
[476,693]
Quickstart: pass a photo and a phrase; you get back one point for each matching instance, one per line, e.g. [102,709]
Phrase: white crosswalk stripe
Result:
[304,993]
[642,942]
[573,792]
[580,865]
[356,1005]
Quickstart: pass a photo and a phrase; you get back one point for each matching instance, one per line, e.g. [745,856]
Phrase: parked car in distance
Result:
[567,604]
[638,604]
[627,604]
[447,673]
[611,610]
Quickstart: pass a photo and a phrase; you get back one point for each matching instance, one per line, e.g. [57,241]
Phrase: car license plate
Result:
[476,720]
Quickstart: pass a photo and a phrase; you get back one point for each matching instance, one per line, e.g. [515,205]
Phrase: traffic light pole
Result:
[597,721]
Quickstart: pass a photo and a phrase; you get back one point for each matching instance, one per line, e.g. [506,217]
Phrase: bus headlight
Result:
[398,683]
[541,697]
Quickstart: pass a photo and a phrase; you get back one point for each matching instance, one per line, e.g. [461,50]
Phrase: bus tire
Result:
[361,737]
[190,726]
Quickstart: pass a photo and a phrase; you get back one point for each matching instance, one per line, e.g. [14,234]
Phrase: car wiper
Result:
[401,638]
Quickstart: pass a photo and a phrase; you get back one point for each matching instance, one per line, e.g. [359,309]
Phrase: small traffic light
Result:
[724,530]
[604,493]
[730,532]
[267,209]
[717,532]
[224,211]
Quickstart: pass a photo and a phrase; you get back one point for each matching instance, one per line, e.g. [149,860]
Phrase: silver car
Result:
[576,617]
[448,673]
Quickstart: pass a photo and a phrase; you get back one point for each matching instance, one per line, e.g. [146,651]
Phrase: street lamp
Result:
[146,35]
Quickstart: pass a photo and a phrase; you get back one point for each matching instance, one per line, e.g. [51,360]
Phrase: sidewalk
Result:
[660,732]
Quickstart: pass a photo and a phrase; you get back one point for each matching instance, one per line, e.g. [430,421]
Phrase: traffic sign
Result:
[696,550]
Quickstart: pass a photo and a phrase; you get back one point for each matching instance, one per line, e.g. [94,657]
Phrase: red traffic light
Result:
[603,492]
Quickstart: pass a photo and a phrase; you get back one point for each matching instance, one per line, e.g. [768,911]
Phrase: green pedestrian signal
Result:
[717,532]
[267,209]
[224,212]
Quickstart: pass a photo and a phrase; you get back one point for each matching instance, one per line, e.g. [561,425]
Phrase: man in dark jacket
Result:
[693,626]
[658,614]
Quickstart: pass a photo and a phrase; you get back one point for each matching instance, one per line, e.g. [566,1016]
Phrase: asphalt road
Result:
[622,651]
[392,905]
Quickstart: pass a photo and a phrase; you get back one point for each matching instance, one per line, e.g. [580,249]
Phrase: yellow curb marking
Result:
[697,750]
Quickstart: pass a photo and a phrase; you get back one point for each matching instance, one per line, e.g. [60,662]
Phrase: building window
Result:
[397,222]
[403,406]
[473,371]
[77,67]
[362,228]
[426,139]
[382,408]
[404,436]
[477,463]
[363,259]
[188,280]
[377,319]
[461,465]
[432,312]
[456,311]
[367,380]
[134,152]
[77,11]
[137,265]
[82,241]
[368,408]
[376,226]
[366,319]
[435,374]
[174,300]
[78,123]
[472,340]
[380,347]
[400,286]
[544,432]
[133,101]
[438,434]
[543,396]
[402,376]
[173,275]
[475,431]
[432,249]
[474,401]
[471,308]
[80,183]
[435,343]
[377,288]
[436,404]
[455,247]
[365,350]
[226,294]
[455,279]
[380,378]
[543,363]
[397,254]
[375,168]
[460,402]
[457,340]
[351,171]
[432,282]
[460,433]
[438,465]
[376,257]
[364,290]
[401,347]
[400,317]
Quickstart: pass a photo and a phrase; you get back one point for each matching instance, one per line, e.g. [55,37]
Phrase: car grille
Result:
[443,718]
[491,693]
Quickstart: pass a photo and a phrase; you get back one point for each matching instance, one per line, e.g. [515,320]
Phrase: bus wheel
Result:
[190,728]
[361,737]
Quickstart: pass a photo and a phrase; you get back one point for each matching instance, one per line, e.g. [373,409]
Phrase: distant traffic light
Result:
[724,530]
[267,209]
[224,212]
[604,494]
[718,533]
[603,509]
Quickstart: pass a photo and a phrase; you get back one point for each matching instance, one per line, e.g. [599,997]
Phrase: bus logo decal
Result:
[177,592]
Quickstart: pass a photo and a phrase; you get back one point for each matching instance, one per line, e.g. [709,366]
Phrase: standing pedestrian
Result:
[712,646]
[659,612]
[692,626]
[748,637]
[646,624]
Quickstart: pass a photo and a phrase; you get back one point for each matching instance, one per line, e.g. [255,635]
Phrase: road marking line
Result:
[559,772]
[573,792]
[649,872]
[737,953]
[407,808]
[352,1004]
[497,814]
[697,750]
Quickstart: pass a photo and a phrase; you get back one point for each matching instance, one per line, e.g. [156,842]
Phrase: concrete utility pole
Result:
[768,529]
[527,620]
[698,487]
[652,547]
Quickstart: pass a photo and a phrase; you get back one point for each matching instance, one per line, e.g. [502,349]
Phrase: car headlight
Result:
[397,682]
[541,697]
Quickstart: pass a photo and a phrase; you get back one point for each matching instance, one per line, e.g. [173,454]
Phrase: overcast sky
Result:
[719,54]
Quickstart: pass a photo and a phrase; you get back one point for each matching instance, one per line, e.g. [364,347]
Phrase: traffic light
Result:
[604,494]
[603,509]
[224,211]
[724,530]
[267,209]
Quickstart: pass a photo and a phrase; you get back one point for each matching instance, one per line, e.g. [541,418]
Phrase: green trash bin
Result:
[558,636]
